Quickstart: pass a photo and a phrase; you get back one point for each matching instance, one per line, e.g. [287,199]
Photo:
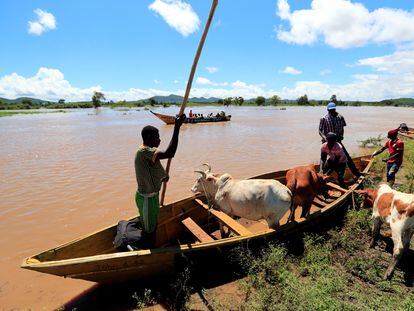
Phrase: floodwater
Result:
[64,175]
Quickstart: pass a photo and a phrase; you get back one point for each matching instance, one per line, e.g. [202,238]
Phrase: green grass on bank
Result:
[337,270]
[166,101]
[12,113]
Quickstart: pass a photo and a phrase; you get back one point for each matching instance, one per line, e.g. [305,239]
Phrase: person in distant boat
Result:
[333,122]
[333,158]
[150,174]
[396,150]
[190,114]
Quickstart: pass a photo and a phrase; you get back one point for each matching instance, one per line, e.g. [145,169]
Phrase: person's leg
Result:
[340,170]
[392,169]
[148,210]
[327,167]
[351,163]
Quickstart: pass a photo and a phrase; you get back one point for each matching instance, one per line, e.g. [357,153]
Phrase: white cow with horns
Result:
[252,199]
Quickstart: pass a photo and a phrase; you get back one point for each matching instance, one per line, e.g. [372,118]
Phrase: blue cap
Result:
[331,106]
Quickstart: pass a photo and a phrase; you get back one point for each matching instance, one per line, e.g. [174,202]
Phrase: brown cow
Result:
[304,183]
[397,209]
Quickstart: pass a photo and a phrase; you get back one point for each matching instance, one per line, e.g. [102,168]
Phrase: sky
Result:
[135,49]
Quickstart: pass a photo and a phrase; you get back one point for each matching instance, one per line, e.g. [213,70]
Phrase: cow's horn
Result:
[208,166]
[202,173]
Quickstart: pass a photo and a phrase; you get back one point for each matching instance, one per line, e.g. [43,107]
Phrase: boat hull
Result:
[167,119]
[97,261]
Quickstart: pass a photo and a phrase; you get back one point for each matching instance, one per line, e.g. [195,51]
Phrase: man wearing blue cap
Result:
[333,122]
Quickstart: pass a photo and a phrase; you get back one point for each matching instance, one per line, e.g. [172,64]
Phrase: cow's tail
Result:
[291,187]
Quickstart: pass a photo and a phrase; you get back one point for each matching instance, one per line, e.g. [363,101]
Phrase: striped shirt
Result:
[332,124]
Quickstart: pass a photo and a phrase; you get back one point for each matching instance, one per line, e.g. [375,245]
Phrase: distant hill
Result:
[21,99]
[178,99]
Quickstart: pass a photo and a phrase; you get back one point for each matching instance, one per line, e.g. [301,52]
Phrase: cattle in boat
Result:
[305,184]
[252,199]
[396,209]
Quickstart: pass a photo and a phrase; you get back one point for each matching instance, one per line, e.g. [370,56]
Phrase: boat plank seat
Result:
[226,220]
[196,230]
[336,187]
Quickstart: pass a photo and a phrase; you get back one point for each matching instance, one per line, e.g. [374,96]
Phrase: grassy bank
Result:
[166,101]
[12,113]
[336,270]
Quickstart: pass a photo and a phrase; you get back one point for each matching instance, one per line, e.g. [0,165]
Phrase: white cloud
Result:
[344,24]
[205,81]
[364,87]
[45,22]
[50,84]
[178,15]
[176,81]
[399,62]
[212,69]
[393,78]
[156,81]
[325,72]
[291,71]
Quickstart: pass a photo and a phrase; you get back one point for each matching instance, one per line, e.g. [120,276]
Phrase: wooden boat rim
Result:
[31,262]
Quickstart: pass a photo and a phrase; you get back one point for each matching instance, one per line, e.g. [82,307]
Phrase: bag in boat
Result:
[128,233]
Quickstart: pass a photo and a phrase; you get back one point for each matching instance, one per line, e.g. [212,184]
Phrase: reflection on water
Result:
[65,175]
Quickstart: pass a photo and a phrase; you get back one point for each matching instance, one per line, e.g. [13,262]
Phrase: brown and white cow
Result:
[396,209]
[305,184]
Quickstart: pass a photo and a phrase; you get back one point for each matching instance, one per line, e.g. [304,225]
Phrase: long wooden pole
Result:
[190,82]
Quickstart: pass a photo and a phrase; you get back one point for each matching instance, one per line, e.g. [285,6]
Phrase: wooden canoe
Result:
[409,134]
[171,119]
[185,226]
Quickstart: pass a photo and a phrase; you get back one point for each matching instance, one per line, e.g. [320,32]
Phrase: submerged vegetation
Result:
[372,142]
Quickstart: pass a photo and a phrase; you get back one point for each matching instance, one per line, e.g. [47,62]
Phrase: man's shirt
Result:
[395,146]
[149,173]
[332,124]
[336,153]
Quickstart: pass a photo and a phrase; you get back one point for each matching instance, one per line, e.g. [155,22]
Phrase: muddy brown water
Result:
[64,175]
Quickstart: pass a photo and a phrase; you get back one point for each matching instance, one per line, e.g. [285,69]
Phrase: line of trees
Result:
[98,99]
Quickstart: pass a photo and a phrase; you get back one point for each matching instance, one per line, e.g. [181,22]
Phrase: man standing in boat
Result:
[150,174]
[333,122]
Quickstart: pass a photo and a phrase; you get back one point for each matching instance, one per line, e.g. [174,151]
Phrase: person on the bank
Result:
[150,174]
[333,122]
[333,158]
[396,153]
